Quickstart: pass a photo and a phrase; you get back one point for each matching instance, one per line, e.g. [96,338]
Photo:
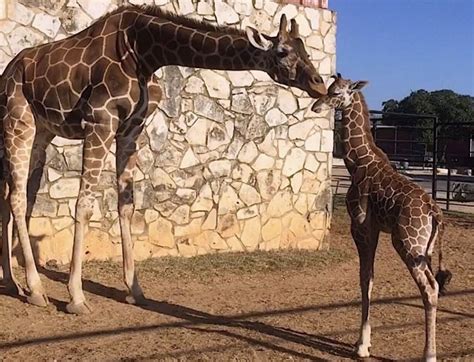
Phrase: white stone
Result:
[280,204]
[325,28]
[270,7]
[241,78]
[249,195]
[20,13]
[267,146]
[294,162]
[181,215]
[313,15]
[327,15]
[229,200]
[291,11]
[314,41]
[217,85]
[316,54]
[66,187]
[194,85]
[53,175]
[330,44]
[311,163]
[225,14]
[220,168]
[325,66]
[197,134]
[304,27]
[47,24]
[296,182]
[300,130]
[327,141]
[22,37]
[189,159]
[150,216]
[275,117]
[185,7]
[157,131]
[211,221]
[217,136]
[248,153]
[204,200]
[283,147]
[95,8]
[304,102]
[286,101]
[263,162]
[205,8]
[313,143]
[247,212]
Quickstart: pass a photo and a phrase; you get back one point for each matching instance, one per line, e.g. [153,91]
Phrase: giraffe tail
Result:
[443,276]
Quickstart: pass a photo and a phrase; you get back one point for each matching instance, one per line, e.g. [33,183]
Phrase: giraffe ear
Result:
[257,39]
[294,30]
[357,86]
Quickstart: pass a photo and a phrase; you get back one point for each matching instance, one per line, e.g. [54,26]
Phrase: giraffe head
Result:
[340,94]
[286,58]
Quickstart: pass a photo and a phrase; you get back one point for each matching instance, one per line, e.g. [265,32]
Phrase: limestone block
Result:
[220,168]
[304,26]
[242,78]
[290,10]
[47,24]
[204,7]
[185,7]
[229,200]
[22,37]
[327,141]
[20,14]
[268,182]
[62,223]
[263,98]
[314,18]
[217,136]
[209,108]
[64,188]
[275,117]
[225,14]
[40,227]
[56,247]
[98,246]
[300,130]
[234,244]
[194,85]
[193,228]
[145,159]
[138,225]
[204,200]
[286,101]
[249,195]
[272,229]
[311,163]
[280,204]
[228,225]
[211,221]
[217,85]
[250,236]
[283,147]
[197,134]
[74,19]
[263,162]
[311,243]
[241,101]
[270,7]
[187,250]
[296,182]
[313,142]
[160,233]
[247,212]
[294,162]
[180,216]
[157,131]
[95,8]
[315,41]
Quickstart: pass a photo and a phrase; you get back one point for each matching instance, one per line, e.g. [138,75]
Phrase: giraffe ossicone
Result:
[99,85]
[382,200]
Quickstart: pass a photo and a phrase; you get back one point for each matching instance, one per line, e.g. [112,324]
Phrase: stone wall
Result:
[231,161]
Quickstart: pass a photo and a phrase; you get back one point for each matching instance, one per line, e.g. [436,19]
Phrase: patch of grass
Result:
[241,263]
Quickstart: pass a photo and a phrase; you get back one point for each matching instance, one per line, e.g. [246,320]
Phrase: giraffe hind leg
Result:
[418,265]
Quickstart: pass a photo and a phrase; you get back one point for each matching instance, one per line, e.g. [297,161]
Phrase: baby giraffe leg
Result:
[366,240]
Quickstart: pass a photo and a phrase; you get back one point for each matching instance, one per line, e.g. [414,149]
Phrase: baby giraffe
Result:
[380,199]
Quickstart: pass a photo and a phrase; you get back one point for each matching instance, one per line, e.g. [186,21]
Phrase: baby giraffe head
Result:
[340,94]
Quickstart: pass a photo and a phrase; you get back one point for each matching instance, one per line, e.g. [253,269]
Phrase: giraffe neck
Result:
[358,143]
[161,42]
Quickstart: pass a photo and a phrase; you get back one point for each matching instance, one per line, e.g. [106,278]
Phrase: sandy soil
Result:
[263,307]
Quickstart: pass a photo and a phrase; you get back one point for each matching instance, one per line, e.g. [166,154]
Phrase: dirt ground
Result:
[257,306]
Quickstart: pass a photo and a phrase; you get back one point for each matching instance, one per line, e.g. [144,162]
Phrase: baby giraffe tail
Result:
[443,276]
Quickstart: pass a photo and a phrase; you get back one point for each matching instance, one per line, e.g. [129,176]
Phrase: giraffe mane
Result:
[154,10]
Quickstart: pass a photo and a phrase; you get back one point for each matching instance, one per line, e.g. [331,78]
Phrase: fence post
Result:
[448,188]
[435,156]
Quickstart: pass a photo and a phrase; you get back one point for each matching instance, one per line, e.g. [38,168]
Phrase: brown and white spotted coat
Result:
[98,85]
[381,199]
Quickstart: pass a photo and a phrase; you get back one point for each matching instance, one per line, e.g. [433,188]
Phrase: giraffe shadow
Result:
[208,323]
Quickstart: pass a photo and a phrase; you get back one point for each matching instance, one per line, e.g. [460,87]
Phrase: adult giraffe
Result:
[380,199]
[94,86]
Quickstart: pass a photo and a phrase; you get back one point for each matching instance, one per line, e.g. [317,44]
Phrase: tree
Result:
[447,105]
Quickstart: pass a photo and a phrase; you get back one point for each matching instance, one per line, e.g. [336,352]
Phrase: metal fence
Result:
[438,156]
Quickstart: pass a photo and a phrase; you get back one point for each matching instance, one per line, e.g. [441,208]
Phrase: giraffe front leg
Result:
[366,239]
[96,146]
[126,162]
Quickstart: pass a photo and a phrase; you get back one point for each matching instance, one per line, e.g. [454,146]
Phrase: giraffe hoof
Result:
[136,299]
[363,351]
[79,308]
[13,288]
[38,299]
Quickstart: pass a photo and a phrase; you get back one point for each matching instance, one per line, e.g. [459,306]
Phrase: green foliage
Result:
[446,104]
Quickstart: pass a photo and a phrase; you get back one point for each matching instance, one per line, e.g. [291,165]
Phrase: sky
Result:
[401,46]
